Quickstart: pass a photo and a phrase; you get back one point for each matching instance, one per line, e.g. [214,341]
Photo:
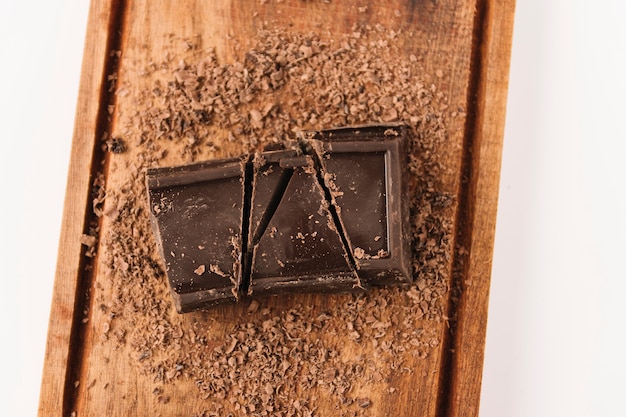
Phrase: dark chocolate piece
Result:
[329,216]
[269,182]
[365,173]
[301,247]
[197,215]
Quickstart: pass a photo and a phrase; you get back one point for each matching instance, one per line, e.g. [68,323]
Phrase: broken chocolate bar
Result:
[197,216]
[365,170]
[328,215]
[299,246]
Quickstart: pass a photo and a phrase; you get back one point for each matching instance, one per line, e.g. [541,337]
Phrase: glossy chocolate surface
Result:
[366,171]
[197,217]
[301,247]
[328,215]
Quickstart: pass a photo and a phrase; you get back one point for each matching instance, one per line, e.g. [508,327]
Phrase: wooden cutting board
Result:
[115,345]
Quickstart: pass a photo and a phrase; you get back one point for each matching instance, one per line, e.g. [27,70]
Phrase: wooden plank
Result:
[94,363]
[67,291]
[495,24]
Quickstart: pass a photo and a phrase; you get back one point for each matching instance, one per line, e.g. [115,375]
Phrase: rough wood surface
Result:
[477,227]
[467,44]
[62,344]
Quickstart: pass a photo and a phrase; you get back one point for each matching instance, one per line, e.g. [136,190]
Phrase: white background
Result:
[556,321]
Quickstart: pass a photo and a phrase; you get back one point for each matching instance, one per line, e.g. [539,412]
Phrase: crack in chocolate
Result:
[277,196]
[290,235]
[246,257]
[334,212]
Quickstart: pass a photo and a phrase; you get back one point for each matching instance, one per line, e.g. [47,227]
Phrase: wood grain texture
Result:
[469,42]
[495,27]
[62,343]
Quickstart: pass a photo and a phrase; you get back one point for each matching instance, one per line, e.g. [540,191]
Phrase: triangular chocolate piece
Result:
[301,247]
[268,186]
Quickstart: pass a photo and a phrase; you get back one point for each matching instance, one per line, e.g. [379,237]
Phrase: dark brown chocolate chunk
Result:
[365,173]
[197,216]
[269,182]
[331,215]
[301,247]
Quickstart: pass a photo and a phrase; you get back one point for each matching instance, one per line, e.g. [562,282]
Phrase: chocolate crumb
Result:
[362,402]
[116,145]
[88,240]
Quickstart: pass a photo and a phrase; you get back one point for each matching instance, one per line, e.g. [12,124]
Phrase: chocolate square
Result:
[197,215]
[364,169]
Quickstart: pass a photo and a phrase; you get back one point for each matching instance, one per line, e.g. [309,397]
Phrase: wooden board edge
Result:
[493,56]
[67,282]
